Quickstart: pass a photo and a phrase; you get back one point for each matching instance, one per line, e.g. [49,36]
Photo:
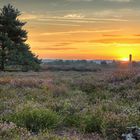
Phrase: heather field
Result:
[69,105]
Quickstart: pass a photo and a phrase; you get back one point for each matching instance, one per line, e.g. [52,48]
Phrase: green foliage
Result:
[13,50]
[12,26]
[86,86]
[56,101]
[36,120]
[93,123]
[72,120]
[11,131]
[115,126]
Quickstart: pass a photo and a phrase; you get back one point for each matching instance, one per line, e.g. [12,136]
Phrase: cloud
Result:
[81,20]
[134,36]
[63,44]
[74,16]
[55,48]
[97,16]
[30,16]
[77,32]
[119,0]
[62,24]
[80,0]
[138,35]
[110,35]
[118,40]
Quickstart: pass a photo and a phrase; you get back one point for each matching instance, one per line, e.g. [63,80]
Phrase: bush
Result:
[93,123]
[137,79]
[28,83]
[72,121]
[11,131]
[121,76]
[86,86]
[58,90]
[36,120]
[116,125]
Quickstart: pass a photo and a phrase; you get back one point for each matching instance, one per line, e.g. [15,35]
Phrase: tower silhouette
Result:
[130,58]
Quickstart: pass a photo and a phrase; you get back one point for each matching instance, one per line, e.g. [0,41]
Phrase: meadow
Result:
[69,105]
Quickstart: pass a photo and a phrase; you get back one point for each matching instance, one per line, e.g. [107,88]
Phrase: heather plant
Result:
[115,125]
[93,123]
[59,90]
[120,76]
[70,104]
[72,121]
[11,131]
[35,120]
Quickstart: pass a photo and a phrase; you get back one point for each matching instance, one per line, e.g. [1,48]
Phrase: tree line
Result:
[14,52]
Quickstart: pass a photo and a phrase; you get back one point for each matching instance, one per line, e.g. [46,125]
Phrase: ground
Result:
[71,105]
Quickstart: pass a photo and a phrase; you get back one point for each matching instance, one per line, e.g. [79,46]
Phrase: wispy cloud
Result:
[111,35]
[104,16]
[138,35]
[123,36]
[119,0]
[77,32]
[74,16]
[63,24]
[81,20]
[55,48]
[28,16]
[80,0]
[118,40]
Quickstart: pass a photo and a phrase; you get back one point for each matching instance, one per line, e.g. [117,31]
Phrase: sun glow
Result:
[125,59]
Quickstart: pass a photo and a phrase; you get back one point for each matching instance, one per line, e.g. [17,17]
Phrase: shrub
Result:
[86,86]
[36,120]
[97,96]
[72,120]
[58,90]
[120,76]
[93,123]
[70,111]
[29,83]
[115,125]
[4,81]
[11,131]
[137,79]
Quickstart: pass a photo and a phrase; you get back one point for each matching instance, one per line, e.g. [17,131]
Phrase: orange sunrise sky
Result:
[81,29]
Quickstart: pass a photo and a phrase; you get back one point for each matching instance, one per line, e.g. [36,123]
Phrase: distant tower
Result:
[130,58]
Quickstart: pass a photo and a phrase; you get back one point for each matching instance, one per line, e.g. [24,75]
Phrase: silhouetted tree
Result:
[13,50]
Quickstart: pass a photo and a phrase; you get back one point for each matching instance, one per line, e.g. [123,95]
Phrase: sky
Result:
[81,29]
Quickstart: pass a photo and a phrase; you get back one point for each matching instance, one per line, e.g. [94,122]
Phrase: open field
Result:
[71,105]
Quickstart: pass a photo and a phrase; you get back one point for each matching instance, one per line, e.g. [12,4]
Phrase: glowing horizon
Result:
[82,29]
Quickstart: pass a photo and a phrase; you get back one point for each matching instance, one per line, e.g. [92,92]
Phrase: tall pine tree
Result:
[13,49]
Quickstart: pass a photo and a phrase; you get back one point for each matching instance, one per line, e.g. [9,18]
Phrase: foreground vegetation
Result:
[69,105]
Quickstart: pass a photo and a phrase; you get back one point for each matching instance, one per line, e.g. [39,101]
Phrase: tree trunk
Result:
[2,59]
[2,64]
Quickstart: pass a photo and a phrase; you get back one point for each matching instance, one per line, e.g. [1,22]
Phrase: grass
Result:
[69,104]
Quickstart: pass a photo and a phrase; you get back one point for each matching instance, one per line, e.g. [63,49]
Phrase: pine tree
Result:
[13,49]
